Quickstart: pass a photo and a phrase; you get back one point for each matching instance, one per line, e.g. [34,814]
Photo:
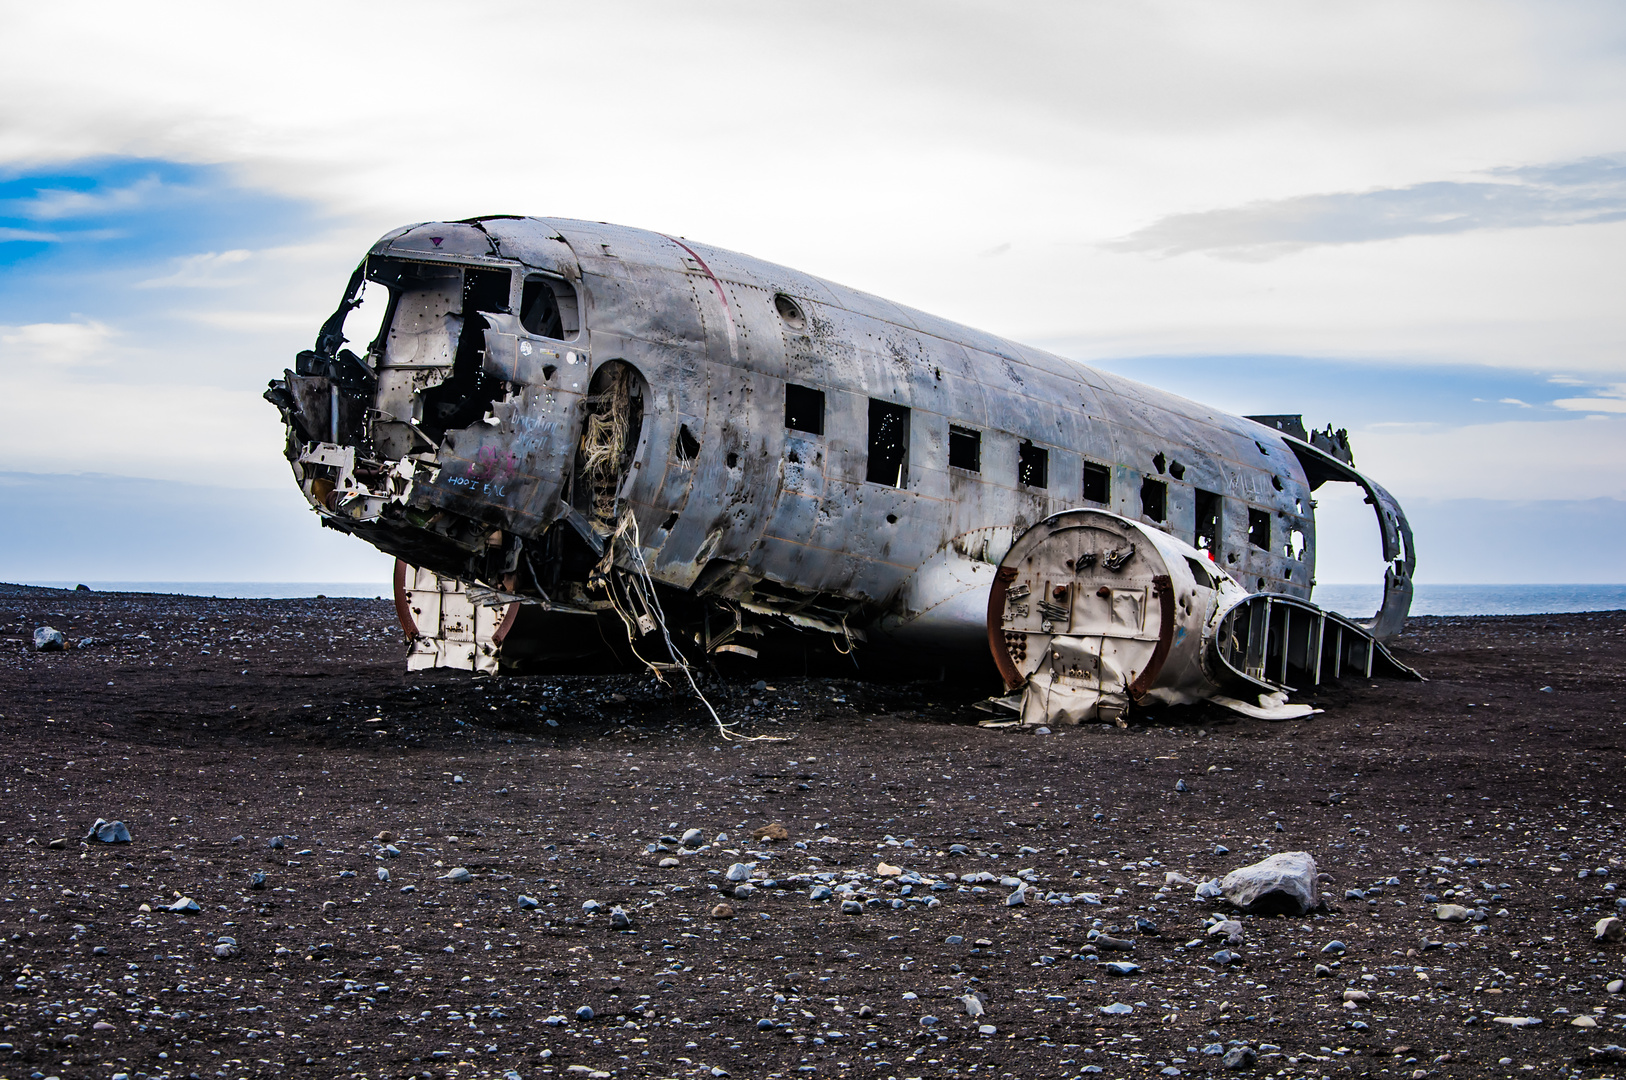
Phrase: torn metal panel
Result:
[1091,614]
[792,455]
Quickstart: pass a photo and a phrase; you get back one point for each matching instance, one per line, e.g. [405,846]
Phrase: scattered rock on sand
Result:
[109,832]
[1283,883]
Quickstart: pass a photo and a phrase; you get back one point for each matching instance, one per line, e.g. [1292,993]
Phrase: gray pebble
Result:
[527,903]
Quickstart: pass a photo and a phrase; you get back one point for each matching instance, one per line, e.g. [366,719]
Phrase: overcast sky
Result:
[1407,219]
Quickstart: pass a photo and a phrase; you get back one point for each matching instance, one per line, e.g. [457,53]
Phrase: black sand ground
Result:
[212,726]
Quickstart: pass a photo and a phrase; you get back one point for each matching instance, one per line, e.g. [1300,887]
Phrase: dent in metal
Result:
[535,385]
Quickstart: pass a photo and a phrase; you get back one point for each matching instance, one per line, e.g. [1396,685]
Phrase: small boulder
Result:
[457,874]
[722,911]
[1240,1057]
[1452,913]
[184,905]
[109,832]
[1284,883]
[772,831]
[1609,929]
[693,838]
[619,919]
[49,639]
[668,863]
[256,880]
[527,903]
[1229,929]
[740,872]
[851,907]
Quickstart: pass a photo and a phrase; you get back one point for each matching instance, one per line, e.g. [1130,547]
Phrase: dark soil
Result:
[212,726]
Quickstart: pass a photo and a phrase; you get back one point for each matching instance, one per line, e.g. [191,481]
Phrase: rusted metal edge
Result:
[1165,639]
[403,605]
[996,635]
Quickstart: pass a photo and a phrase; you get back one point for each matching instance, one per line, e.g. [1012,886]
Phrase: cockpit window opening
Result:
[466,395]
[368,319]
[548,308]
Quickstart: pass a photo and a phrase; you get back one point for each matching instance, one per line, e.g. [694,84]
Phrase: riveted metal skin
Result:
[462,439]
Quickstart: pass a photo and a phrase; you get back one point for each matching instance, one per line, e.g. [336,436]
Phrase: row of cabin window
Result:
[888,464]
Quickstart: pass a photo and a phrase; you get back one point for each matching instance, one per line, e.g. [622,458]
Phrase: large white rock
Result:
[1282,883]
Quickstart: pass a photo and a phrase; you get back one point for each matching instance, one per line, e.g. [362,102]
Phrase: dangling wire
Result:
[628,526]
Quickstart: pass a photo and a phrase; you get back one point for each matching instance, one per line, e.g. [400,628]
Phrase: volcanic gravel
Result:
[283,738]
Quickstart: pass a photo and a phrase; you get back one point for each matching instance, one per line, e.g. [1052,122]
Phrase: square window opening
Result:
[1259,528]
[547,308]
[804,409]
[1097,483]
[1154,499]
[1032,465]
[965,448]
[888,444]
[1209,510]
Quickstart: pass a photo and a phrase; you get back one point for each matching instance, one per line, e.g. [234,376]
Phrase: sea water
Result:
[1361,601]
[1358,601]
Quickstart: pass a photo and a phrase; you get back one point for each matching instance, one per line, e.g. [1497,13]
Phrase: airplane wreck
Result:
[592,447]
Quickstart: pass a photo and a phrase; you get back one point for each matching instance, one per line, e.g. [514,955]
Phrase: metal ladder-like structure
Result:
[1282,643]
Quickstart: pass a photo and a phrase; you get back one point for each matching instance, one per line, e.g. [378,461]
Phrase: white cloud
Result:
[56,204]
[1513,460]
[55,344]
[202,271]
[27,235]
[1514,401]
[1606,401]
[1587,192]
